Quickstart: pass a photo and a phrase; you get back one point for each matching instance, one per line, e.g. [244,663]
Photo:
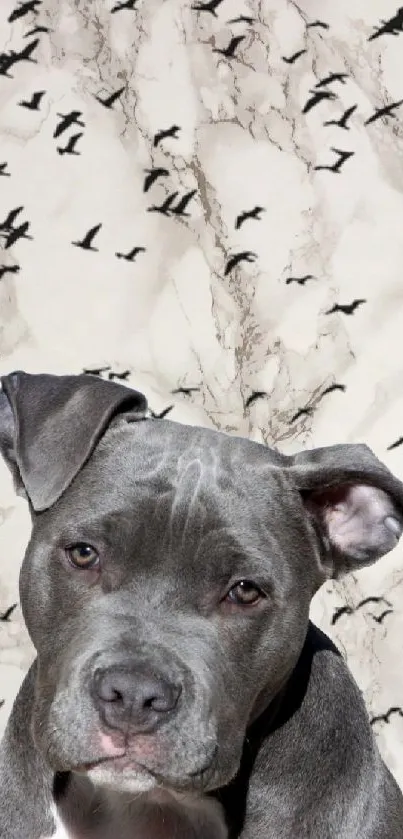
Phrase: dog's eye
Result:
[82,556]
[244,593]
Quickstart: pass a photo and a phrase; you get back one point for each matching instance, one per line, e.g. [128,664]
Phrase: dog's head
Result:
[168,579]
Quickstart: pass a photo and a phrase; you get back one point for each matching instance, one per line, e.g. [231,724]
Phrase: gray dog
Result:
[179,690]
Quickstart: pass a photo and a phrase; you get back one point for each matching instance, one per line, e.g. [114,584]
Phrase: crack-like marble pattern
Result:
[162,129]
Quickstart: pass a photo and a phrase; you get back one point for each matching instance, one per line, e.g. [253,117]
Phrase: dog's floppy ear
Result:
[50,425]
[355,502]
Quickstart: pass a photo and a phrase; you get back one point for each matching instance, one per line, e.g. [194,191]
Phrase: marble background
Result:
[285,325]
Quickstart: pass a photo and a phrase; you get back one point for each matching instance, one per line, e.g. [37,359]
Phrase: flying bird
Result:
[342,122]
[70,148]
[386,717]
[37,30]
[128,5]
[299,280]
[23,9]
[338,613]
[302,412]
[163,413]
[86,242]
[8,269]
[8,59]
[393,26]
[395,445]
[380,618]
[164,133]
[334,387]
[3,173]
[17,233]
[243,19]
[254,396]
[165,207]
[248,214]
[336,167]
[346,308]
[152,175]
[33,103]
[210,6]
[242,256]
[130,257]
[180,208]
[97,371]
[317,24]
[8,222]
[334,77]
[293,58]
[7,614]
[229,51]
[186,391]
[372,600]
[66,121]
[317,97]
[110,100]
[121,376]
[387,111]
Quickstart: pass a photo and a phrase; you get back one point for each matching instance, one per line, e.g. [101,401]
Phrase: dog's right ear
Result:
[50,425]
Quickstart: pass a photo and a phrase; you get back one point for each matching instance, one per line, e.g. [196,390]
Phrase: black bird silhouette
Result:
[242,256]
[317,97]
[8,222]
[8,269]
[299,280]
[152,175]
[336,167]
[163,413]
[37,30]
[386,717]
[242,19]
[317,24]
[210,6]
[33,103]
[372,600]
[302,412]
[8,59]
[110,100]
[334,387]
[67,120]
[23,9]
[165,207]
[71,145]
[164,133]
[3,173]
[187,391]
[128,4]
[7,614]
[294,57]
[342,122]
[246,214]
[380,618]
[130,257]
[180,208]
[229,51]
[393,26]
[346,308]
[395,445]
[121,376]
[254,396]
[387,111]
[334,77]
[86,242]
[95,371]
[338,613]
[16,234]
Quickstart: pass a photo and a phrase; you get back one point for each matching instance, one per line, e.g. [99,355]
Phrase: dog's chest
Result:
[143,818]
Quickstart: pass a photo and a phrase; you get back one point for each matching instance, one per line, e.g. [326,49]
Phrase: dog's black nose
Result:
[134,698]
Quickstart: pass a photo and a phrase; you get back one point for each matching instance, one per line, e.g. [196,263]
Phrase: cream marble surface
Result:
[173,317]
